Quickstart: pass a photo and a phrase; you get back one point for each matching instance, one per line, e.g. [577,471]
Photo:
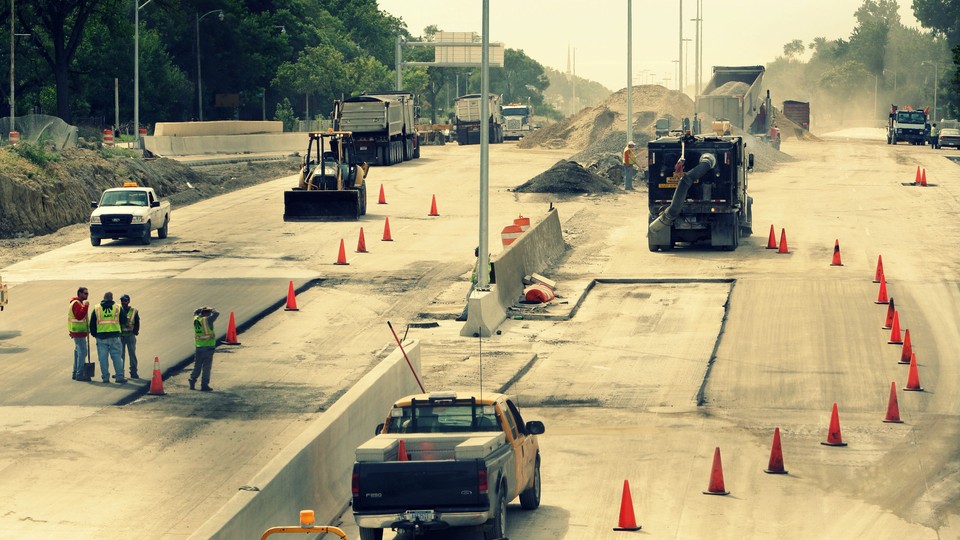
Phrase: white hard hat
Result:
[630,143]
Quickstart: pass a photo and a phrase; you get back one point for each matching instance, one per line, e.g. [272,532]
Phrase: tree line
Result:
[225,59]
[882,63]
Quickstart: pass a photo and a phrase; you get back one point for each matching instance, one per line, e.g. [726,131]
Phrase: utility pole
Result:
[680,53]
[628,180]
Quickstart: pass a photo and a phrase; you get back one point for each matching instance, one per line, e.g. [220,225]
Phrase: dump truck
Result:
[384,126]
[698,191]
[130,211]
[332,182]
[446,459]
[907,125]
[518,120]
[798,112]
[735,94]
[467,111]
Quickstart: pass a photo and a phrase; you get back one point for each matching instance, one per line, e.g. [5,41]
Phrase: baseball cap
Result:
[630,143]
[125,297]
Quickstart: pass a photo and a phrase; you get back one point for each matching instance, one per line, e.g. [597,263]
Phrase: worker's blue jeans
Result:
[627,177]
[110,347]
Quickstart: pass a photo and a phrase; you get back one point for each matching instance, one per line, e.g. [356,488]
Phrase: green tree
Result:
[794,48]
[941,16]
[521,79]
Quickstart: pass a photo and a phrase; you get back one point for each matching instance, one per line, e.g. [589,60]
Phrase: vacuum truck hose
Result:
[664,220]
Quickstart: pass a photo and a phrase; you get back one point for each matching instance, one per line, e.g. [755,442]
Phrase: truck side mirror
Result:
[155,204]
[749,162]
[535,427]
[93,204]
[379,429]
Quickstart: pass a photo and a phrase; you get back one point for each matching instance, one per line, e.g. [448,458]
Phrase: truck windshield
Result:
[124,198]
[445,418]
[515,111]
[911,117]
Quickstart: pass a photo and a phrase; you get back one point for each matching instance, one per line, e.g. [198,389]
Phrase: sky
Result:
[735,32]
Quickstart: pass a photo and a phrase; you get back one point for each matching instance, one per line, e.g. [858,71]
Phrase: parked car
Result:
[949,137]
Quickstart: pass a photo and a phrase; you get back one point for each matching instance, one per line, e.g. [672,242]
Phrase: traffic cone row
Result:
[921,177]
[772,241]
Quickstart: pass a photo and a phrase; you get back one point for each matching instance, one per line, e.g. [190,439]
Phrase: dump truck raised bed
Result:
[698,191]
[798,112]
[332,184]
[735,93]
[384,126]
[467,110]
[447,459]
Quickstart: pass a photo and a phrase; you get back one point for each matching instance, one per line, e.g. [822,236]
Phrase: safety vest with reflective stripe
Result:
[73,323]
[131,319]
[108,320]
[203,332]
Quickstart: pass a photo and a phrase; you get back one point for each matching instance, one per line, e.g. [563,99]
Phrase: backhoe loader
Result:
[332,183]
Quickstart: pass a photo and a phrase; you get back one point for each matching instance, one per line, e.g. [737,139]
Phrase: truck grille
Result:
[114,220]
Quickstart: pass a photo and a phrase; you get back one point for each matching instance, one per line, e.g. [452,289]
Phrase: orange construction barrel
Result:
[108,137]
[510,233]
[14,137]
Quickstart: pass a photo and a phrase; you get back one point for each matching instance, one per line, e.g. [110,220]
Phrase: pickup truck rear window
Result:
[446,418]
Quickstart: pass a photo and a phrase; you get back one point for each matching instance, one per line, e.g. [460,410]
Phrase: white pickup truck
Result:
[130,211]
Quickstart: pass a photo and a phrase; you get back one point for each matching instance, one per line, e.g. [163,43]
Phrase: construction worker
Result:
[129,333]
[105,325]
[205,339]
[630,160]
[934,137]
[78,325]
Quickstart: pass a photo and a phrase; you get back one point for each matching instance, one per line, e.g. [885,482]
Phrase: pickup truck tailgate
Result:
[408,485]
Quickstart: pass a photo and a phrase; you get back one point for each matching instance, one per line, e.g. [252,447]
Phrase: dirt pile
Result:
[36,200]
[567,177]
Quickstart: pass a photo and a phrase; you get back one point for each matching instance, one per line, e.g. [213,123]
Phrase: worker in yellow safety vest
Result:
[78,326]
[630,160]
[105,325]
[205,339]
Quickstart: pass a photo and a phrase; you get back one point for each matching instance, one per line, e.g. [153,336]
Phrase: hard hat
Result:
[630,143]
[125,297]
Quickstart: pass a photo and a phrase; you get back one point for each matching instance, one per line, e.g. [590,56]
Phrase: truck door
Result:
[525,448]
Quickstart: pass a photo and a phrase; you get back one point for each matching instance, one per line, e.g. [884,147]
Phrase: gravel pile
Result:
[567,177]
[732,88]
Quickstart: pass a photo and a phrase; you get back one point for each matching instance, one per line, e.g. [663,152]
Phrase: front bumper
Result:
[133,230]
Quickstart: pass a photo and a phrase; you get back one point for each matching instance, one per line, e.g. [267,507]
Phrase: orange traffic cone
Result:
[383,198]
[627,520]
[716,476]
[836,254]
[895,338]
[386,230]
[291,299]
[907,349]
[776,455]
[893,410]
[156,383]
[876,276]
[433,207]
[342,257]
[923,178]
[361,243]
[833,436]
[891,309]
[783,242]
[402,451]
[882,297]
[913,377]
[772,240]
[916,180]
[231,338]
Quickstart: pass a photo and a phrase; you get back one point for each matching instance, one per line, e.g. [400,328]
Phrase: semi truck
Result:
[384,126]
[907,125]
[518,120]
[468,119]
[446,459]
[798,112]
[735,94]
[130,211]
[698,191]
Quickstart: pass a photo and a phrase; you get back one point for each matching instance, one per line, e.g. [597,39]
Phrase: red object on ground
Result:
[291,299]
[833,436]
[716,476]
[627,522]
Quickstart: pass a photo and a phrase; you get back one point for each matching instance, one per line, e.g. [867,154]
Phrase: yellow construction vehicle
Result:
[332,183]
[306,526]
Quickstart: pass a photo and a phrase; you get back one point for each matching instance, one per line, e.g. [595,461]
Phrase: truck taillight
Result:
[482,481]
[355,484]
[726,158]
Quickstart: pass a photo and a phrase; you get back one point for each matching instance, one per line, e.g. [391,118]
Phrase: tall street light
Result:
[627,178]
[13,37]
[936,84]
[137,6]
[199,80]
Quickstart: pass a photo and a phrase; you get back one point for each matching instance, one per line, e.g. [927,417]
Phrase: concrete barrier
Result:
[314,471]
[218,127]
[531,252]
[226,144]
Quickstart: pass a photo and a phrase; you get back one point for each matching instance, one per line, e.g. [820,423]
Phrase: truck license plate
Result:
[419,515]
[363,147]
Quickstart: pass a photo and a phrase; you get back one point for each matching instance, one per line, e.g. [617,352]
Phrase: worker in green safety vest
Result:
[205,340]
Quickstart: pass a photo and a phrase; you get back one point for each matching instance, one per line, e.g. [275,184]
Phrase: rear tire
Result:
[371,534]
[530,498]
[94,241]
[145,240]
[497,527]
[363,199]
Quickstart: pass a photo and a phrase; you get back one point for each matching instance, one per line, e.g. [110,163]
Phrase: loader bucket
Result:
[316,205]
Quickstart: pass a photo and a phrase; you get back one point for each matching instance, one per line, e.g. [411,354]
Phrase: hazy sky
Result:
[735,32]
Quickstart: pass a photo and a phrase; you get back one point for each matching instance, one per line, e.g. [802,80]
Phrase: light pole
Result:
[876,87]
[137,6]
[627,176]
[936,84]
[199,80]
[680,53]
[13,37]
